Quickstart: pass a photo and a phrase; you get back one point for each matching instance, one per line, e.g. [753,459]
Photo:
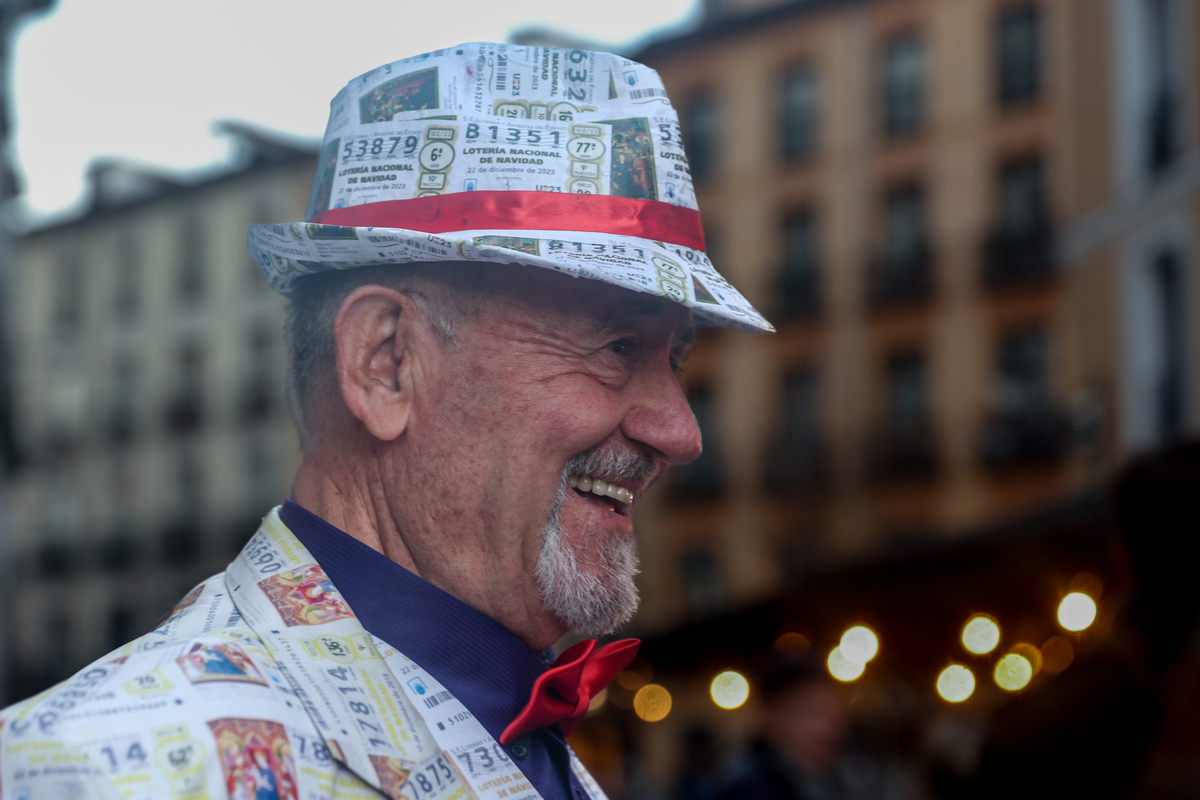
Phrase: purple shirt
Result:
[472,655]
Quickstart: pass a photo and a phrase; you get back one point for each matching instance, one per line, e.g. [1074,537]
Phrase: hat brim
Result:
[286,252]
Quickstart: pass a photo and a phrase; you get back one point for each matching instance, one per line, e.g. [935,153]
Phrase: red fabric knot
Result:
[562,693]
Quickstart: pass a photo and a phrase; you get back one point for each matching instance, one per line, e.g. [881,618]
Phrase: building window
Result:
[702,581]
[795,457]
[903,85]
[1025,425]
[902,273]
[1019,248]
[62,526]
[181,540]
[192,261]
[1164,117]
[127,297]
[903,444]
[700,136]
[798,113]
[262,478]
[66,406]
[1168,282]
[259,388]
[122,409]
[799,292]
[704,477]
[1018,50]
[68,290]
[120,627]
[185,409]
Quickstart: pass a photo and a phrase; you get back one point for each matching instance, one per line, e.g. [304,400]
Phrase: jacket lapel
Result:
[327,656]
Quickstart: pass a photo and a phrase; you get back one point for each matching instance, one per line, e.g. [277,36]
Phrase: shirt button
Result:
[518,750]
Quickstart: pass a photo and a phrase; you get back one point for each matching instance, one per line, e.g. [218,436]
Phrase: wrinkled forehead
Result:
[605,308]
[638,310]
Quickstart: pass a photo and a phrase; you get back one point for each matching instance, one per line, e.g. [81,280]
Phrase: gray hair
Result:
[447,294]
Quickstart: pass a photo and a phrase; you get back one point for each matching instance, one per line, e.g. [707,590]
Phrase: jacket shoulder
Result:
[193,708]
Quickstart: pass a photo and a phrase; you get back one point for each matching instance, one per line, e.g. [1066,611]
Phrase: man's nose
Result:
[662,418]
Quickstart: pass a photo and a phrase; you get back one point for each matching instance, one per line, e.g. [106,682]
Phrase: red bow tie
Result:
[562,693]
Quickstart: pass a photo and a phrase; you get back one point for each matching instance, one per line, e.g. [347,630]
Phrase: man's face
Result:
[555,385]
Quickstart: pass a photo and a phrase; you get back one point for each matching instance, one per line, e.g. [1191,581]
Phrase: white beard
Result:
[593,597]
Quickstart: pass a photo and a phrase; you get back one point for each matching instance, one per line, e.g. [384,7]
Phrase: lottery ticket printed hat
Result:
[565,159]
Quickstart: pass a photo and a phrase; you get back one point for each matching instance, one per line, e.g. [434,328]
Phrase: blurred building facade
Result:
[971,220]
[974,225]
[148,366]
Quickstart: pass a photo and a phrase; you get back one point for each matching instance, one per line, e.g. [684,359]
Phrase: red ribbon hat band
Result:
[525,210]
[562,693]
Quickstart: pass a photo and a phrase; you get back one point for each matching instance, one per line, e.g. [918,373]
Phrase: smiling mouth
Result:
[618,498]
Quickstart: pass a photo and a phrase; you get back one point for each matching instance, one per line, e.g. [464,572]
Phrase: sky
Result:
[145,80]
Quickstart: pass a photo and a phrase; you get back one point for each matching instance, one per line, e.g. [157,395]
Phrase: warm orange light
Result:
[1057,654]
[792,643]
[652,702]
[1030,654]
[630,680]
[597,701]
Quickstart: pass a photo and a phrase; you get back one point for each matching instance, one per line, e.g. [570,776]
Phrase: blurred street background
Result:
[946,515]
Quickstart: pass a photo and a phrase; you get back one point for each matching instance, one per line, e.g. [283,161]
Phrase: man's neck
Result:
[351,499]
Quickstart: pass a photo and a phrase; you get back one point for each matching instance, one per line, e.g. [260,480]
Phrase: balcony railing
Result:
[1038,435]
[897,452]
[1018,259]
[901,279]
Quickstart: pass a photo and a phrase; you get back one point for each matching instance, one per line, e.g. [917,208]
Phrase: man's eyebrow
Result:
[628,313]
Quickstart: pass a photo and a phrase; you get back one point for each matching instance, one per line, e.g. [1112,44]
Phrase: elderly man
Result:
[489,303]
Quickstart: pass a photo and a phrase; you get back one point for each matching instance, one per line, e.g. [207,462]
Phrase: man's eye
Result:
[621,347]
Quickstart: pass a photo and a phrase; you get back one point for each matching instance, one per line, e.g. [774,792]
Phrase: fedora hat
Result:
[564,159]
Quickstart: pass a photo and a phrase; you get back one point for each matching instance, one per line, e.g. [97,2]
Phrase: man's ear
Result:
[374,333]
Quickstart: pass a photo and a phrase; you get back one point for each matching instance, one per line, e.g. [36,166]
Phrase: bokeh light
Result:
[1057,654]
[630,680]
[842,668]
[729,690]
[1013,672]
[1030,653]
[1087,583]
[859,644]
[597,700]
[1076,611]
[652,702]
[981,634]
[792,643]
[955,683]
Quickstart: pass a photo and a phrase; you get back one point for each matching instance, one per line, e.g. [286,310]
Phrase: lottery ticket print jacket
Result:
[260,684]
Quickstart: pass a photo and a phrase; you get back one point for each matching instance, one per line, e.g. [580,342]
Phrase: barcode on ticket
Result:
[436,699]
[638,94]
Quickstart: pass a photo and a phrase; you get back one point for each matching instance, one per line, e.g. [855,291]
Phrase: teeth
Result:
[602,488]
